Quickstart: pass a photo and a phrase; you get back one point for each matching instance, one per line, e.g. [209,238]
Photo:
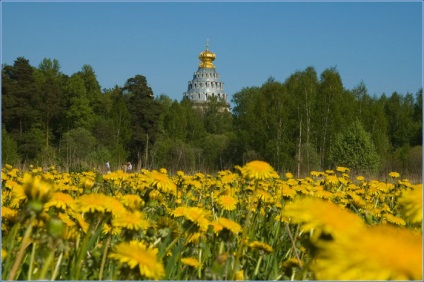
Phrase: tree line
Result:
[308,122]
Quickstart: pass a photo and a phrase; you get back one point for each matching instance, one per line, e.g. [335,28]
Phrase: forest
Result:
[308,122]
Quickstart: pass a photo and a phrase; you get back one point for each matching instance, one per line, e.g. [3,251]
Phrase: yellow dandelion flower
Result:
[80,220]
[178,212]
[261,246]
[324,194]
[258,170]
[70,233]
[229,224]
[289,175]
[59,200]
[66,219]
[90,203]
[194,184]
[131,221]
[412,204]
[288,192]
[378,253]
[240,275]
[394,219]
[190,261]
[264,196]
[194,238]
[110,229]
[162,182]
[332,180]
[360,178]
[227,202]
[357,201]
[317,173]
[10,184]
[98,202]
[37,190]
[197,216]
[8,213]
[216,227]
[394,174]
[323,216]
[137,254]
[3,254]
[167,226]
[229,178]
[132,201]
[342,169]
[292,182]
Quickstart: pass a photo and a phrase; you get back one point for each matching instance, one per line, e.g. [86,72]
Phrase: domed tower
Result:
[205,83]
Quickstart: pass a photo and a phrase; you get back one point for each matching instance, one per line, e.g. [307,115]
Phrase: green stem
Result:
[31,262]
[293,245]
[47,264]
[102,266]
[175,241]
[56,269]
[241,242]
[24,245]
[257,266]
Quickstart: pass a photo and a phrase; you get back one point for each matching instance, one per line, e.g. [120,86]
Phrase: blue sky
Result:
[379,43]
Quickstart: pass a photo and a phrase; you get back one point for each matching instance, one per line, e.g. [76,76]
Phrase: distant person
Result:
[129,167]
[107,167]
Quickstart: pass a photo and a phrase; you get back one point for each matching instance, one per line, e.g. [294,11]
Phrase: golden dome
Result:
[206,59]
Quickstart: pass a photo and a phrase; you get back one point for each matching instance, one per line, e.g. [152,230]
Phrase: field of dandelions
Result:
[250,224]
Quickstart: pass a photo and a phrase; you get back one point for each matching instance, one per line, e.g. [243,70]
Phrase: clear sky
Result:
[379,43]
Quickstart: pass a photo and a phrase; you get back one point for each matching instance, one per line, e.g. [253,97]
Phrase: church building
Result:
[206,82]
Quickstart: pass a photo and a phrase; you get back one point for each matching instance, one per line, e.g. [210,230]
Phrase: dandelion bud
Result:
[88,184]
[55,227]
[37,190]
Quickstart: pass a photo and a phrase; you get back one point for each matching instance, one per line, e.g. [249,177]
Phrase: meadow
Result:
[246,224]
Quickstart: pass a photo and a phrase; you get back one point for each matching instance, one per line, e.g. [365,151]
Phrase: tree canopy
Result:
[308,122]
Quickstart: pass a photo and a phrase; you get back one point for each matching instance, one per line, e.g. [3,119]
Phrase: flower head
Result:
[323,216]
[378,253]
[190,261]
[98,202]
[412,203]
[131,221]
[161,182]
[394,174]
[227,202]
[138,254]
[261,246]
[258,170]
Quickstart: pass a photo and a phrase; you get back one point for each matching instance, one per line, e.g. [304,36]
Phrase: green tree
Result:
[353,148]
[302,88]
[76,145]
[50,105]
[145,113]
[328,116]
[216,118]
[93,91]
[418,119]
[79,112]
[9,149]
[399,112]
[120,130]
[18,98]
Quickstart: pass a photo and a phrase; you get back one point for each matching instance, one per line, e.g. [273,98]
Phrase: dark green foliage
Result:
[308,122]
[9,149]
[353,148]
[144,115]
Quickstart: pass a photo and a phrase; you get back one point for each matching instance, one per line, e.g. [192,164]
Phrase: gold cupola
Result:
[206,59]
